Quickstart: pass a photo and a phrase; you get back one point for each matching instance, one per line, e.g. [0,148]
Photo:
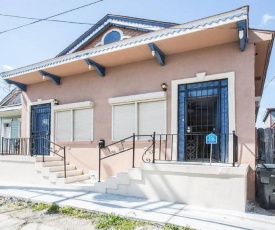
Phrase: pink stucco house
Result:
[136,98]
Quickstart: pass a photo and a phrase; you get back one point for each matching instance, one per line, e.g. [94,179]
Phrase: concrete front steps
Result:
[195,184]
[118,184]
[52,169]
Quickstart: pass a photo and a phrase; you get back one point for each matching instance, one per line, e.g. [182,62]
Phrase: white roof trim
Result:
[122,23]
[11,108]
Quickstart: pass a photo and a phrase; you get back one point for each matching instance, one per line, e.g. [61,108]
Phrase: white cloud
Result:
[7,67]
[266,18]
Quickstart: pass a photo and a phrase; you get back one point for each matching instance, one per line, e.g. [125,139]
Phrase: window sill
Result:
[68,143]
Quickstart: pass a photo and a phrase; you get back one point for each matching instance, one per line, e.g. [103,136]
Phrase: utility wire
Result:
[269,82]
[44,19]
[22,17]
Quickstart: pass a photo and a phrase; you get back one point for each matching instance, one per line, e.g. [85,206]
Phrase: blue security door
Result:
[203,109]
[41,129]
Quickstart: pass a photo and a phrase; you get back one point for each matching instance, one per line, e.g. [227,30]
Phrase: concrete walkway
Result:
[143,209]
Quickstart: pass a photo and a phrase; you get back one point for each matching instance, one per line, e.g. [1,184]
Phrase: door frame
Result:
[39,102]
[202,77]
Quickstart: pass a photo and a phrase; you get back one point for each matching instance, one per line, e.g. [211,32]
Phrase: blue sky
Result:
[44,40]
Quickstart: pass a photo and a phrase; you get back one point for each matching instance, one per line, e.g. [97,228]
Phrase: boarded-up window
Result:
[74,125]
[141,118]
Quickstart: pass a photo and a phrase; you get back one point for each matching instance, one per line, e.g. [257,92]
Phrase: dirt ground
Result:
[22,211]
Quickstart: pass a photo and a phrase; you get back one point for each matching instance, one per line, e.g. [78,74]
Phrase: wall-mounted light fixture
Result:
[241,33]
[164,86]
[55,102]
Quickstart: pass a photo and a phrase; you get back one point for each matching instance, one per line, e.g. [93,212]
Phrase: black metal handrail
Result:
[56,152]
[164,143]
[113,152]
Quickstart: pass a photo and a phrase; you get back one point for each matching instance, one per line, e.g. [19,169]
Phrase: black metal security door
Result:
[41,128]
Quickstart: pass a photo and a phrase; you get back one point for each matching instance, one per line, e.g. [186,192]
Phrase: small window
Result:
[112,36]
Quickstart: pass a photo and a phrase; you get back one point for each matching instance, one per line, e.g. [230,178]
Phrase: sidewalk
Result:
[151,210]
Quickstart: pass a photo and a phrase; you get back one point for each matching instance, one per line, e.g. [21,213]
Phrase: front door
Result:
[203,109]
[41,129]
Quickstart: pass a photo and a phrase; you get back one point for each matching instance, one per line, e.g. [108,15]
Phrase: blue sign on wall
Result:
[211,139]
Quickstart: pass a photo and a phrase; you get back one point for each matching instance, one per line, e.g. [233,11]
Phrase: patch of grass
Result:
[53,208]
[175,227]
[68,210]
[20,203]
[38,206]
[112,221]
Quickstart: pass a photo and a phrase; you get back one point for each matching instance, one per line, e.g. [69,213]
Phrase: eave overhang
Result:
[214,30]
[10,111]
[263,42]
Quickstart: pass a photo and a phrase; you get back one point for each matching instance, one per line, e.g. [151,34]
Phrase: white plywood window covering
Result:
[82,125]
[151,117]
[63,126]
[141,114]
[123,121]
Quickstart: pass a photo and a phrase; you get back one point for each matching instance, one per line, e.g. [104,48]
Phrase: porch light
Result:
[241,34]
[164,86]
[55,102]
[43,77]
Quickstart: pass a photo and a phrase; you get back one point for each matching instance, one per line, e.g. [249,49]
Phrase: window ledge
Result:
[78,105]
[138,98]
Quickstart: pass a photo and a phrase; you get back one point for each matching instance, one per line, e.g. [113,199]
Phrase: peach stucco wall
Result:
[145,77]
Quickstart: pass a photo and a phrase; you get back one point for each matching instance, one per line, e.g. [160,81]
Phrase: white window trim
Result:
[156,96]
[72,107]
[202,77]
[135,99]
[5,121]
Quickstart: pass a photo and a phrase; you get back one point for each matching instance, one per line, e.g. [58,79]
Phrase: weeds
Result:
[38,206]
[70,211]
[54,208]
[113,221]
[102,221]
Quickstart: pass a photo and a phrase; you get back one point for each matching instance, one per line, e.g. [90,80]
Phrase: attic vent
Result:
[112,36]
[258,78]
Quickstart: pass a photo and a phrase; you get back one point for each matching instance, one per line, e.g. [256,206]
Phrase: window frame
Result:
[71,108]
[136,99]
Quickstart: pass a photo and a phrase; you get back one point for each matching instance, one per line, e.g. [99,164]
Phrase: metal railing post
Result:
[65,171]
[234,148]
[154,143]
[99,163]
[134,146]
[2,146]
[43,151]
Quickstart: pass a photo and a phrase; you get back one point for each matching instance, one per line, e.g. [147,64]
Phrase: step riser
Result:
[69,173]
[47,158]
[72,179]
[53,163]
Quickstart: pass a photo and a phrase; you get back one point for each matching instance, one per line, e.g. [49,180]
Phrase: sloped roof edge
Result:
[10,96]
[117,20]
[210,22]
